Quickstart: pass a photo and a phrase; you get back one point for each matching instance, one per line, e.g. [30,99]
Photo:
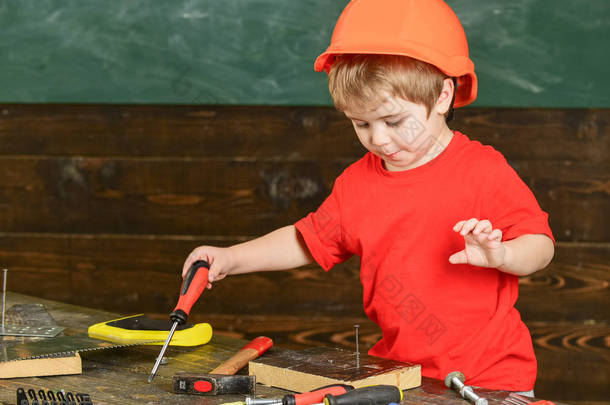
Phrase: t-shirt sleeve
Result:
[511,205]
[322,231]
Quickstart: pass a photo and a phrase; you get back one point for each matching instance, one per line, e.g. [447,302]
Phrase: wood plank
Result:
[295,332]
[187,196]
[575,287]
[149,169]
[572,360]
[271,131]
[105,271]
[307,370]
[179,131]
[575,194]
[167,196]
[64,365]
[537,134]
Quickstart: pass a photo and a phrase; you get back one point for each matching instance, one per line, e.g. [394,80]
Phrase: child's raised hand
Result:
[217,258]
[484,246]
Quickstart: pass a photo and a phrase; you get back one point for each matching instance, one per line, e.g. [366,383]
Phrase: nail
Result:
[357,347]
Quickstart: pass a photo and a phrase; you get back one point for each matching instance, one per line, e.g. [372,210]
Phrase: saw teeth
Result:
[91,349]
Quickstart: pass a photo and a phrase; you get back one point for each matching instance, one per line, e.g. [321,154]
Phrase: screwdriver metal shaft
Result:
[3,297]
[163,349]
[193,284]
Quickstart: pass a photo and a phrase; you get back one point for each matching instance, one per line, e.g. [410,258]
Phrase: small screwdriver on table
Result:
[194,283]
[372,395]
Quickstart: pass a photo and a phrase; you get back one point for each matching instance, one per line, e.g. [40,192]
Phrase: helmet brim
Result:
[466,91]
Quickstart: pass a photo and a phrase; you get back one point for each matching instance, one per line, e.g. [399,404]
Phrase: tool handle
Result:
[317,395]
[213,384]
[374,395]
[249,352]
[192,286]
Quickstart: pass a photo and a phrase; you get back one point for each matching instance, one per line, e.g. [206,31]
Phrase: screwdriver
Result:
[192,286]
[373,395]
[306,398]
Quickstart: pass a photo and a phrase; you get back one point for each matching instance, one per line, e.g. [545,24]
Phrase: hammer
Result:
[222,380]
[455,380]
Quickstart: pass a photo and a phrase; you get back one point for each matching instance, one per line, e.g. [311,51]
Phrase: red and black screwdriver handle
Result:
[372,395]
[316,395]
[194,283]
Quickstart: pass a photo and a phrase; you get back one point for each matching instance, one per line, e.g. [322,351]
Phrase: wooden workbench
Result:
[118,376]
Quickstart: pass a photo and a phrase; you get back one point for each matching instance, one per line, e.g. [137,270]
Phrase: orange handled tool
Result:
[371,395]
[192,287]
[249,352]
[318,395]
[306,398]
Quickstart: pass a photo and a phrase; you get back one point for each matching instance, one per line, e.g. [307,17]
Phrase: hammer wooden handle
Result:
[249,352]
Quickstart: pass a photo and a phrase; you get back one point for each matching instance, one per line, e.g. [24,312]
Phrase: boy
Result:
[442,224]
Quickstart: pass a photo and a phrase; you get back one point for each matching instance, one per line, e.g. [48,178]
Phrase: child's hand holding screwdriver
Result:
[281,249]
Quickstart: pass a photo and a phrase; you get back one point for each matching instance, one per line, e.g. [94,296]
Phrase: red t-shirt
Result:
[444,316]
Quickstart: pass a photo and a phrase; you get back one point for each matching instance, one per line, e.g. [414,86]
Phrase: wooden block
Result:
[41,367]
[306,370]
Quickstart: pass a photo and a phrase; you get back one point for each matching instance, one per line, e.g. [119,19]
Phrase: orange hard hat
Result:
[427,30]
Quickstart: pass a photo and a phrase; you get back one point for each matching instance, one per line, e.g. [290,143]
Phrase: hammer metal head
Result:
[456,374]
[213,384]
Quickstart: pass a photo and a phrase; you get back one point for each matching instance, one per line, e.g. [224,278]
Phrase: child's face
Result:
[399,132]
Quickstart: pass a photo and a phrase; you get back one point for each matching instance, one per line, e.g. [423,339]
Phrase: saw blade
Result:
[30,320]
[30,331]
[62,346]
[29,314]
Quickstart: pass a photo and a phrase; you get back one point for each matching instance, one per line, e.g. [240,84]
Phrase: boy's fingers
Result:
[459,225]
[496,235]
[482,238]
[195,255]
[214,275]
[185,266]
[187,263]
[459,257]
[482,226]
[469,226]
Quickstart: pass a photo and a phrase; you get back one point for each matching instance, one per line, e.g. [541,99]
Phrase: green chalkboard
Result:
[527,52]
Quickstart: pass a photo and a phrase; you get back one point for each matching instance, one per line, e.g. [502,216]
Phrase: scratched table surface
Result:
[119,376]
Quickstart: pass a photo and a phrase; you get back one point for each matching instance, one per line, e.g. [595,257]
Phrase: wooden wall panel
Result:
[166,196]
[99,206]
[142,274]
[575,287]
[232,197]
[280,132]
[208,131]
[180,170]
[103,270]
[572,361]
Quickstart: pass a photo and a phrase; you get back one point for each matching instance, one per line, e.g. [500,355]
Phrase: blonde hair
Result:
[358,81]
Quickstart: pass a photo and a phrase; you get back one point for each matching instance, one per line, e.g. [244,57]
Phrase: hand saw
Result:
[62,346]
[55,356]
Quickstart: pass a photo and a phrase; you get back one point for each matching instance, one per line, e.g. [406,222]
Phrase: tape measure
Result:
[136,328]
